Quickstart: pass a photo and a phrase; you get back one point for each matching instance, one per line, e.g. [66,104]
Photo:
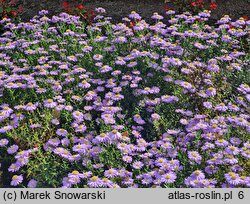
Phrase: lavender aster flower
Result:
[233,178]
[32,183]
[138,165]
[16,180]
[12,149]
[168,177]
[94,182]
[3,142]
[194,156]
[62,132]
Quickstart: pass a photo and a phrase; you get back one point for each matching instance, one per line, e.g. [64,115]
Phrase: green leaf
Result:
[8,10]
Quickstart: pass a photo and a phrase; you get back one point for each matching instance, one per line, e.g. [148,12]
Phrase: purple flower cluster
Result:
[126,105]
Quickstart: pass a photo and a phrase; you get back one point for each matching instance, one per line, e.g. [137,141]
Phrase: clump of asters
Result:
[125,105]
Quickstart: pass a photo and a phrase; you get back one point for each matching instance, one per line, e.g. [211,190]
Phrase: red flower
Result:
[213,6]
[200,3]
[13,2]
[193,4]
[13,13]
[231,26]
[81,6]
[131,24]
[20,9]
[245,17]
[92,13]
[66,5]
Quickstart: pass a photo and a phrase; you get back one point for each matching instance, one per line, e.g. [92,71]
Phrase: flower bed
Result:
[125,105]
[117,8]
